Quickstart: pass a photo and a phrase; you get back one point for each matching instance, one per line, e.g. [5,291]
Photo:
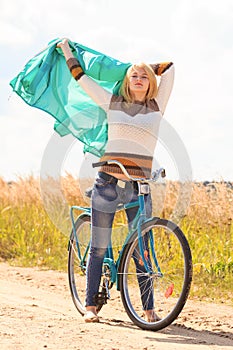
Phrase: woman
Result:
[133,122]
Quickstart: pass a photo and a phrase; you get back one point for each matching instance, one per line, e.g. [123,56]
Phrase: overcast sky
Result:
[195,35]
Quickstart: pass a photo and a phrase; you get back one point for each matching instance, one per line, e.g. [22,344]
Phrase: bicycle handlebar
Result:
[155,175]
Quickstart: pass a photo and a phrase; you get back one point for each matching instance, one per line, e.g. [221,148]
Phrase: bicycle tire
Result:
[170,290]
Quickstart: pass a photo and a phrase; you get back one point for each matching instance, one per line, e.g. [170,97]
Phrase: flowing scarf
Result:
[46,83]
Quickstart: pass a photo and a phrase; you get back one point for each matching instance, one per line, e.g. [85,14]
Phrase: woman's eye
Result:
[139,77]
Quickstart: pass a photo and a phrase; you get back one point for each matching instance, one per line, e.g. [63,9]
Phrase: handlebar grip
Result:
[98,164]
[163,173]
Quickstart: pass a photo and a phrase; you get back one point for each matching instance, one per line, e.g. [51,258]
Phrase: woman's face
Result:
[138,81]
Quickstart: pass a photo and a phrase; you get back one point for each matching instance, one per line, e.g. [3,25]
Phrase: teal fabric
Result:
[46,83]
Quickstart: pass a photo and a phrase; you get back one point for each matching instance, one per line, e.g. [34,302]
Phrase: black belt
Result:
[114,180]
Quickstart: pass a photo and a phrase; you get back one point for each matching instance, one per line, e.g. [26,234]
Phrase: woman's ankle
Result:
[92,309]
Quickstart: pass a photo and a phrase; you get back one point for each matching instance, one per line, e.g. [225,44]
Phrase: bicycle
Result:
[162,252]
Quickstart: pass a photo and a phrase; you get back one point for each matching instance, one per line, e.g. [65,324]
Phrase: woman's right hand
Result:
[63,42]
[65,47]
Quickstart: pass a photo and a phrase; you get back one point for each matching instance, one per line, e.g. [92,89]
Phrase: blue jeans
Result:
[106,196]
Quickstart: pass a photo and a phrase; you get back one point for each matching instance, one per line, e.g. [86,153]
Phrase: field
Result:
[35,226]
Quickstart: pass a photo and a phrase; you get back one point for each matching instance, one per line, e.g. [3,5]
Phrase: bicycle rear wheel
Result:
[165,293]
[77,261]
[79,245]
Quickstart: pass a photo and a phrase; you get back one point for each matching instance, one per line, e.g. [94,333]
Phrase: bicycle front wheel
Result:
[163,291]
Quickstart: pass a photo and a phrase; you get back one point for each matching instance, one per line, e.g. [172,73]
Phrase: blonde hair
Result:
[152,90]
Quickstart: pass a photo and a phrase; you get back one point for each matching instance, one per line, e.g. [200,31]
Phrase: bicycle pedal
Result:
[100,298]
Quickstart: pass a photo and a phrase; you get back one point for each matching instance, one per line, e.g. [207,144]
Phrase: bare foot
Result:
[151,316]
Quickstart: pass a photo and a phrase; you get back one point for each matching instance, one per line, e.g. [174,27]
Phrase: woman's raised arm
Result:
[166,71]
[97,93]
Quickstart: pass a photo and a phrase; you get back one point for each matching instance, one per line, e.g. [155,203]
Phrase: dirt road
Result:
[37,313]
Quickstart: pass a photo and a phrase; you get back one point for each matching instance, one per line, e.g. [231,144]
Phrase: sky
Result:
[195,35]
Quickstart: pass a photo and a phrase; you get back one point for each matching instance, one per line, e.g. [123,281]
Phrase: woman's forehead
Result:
[138,70]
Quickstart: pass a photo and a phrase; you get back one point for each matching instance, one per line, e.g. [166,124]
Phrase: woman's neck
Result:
[138,97]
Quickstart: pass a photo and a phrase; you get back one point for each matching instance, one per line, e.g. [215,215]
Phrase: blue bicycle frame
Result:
[139,219]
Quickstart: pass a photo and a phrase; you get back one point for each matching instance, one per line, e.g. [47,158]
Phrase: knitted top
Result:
[132,127]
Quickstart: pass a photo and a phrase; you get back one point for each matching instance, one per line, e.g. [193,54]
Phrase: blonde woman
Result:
[133,122]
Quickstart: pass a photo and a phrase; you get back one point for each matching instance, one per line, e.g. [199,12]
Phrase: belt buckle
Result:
[121,183]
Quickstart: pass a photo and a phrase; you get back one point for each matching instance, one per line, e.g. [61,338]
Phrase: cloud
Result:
[10,34]
[16,23]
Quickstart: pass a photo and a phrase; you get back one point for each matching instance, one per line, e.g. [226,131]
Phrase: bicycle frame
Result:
[139,219]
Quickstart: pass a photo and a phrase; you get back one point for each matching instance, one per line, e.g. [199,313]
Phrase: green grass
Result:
[212,261]
[29,238]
